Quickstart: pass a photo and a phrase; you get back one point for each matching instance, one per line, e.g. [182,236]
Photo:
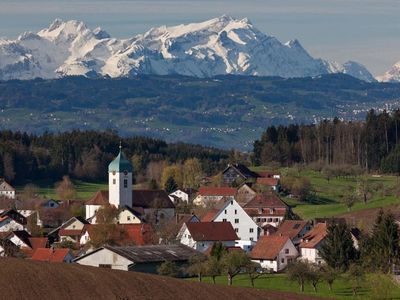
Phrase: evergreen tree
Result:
[338,250]
[385,241]
[170,185]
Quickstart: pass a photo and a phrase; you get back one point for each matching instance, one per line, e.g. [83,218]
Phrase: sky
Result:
[366,31]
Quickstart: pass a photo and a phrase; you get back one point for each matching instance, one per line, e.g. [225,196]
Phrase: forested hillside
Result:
[86,155]
[372,144]
[226,111]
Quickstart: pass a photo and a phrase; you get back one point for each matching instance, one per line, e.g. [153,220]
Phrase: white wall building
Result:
[228,210]
[202,235]
[6,190]
[274,252]
[311,244]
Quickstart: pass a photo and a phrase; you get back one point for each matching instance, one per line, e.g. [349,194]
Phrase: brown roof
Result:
[210,215]
[50,255]
[151,198]
[140,198]
[268,247]
[315,236]
[217,191]
[100,198]
[267,181]
[291,228]
[212,231]
[269,200]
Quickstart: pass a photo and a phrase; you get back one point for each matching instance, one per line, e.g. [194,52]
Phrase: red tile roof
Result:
[268,247]
[50,255]
[217,191]
[210,215]
[267,181]
[212,231]
[100,198]
[315,236]
[138,234]
[291,228]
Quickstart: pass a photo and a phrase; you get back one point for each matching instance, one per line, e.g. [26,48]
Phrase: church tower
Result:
[120,181]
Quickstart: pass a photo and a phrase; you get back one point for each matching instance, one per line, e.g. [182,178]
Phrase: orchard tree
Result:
[197,266]
[233,263]
[213,267]
[299,271]
[168,268]
[65,189]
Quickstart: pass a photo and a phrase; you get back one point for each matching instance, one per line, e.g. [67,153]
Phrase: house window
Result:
[236,230]
[226,211]
[223,220]
[276,220]
[125,183]
[235,211]
[231,202]
[282,260]
[261,260]
[251,230]
[286,251]
[236,221]
[251,239]
[128,218]
[114,181]
[269,219]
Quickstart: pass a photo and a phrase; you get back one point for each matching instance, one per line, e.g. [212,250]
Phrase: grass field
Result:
[374,287]
[327,200]
[84,190]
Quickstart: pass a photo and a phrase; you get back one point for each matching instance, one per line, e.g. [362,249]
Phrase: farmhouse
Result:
[202,235]
[228,210]
[237,173]
[274,252]
[266,209]
[245,193]
[268,183]
[294,229]
[71,230]
[137,258]
[6,190]
[311,243]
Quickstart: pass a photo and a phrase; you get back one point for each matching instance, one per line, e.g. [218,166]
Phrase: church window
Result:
[114,181]
[128,218]
[125,183]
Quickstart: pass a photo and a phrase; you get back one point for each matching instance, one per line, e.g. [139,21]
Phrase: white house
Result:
[311,243]
[6,189]
[127,215]
[202,235]
[211,195]
[274,252]
[229,210]
[70,230]
[183,195]
[294,229]
[136,258]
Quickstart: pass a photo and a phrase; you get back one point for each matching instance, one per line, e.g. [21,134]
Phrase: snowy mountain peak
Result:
[223,45]
[392,75]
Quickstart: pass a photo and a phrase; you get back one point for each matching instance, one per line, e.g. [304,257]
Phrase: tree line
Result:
[86,154]
[371,145]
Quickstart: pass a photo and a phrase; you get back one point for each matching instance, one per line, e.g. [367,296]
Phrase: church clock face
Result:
[125,172]
[113,173]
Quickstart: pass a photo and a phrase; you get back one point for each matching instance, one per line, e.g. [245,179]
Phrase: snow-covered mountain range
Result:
[392,75]
[219,46]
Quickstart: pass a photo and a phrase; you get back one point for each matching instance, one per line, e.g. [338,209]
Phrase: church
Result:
[135,206]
